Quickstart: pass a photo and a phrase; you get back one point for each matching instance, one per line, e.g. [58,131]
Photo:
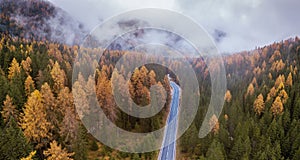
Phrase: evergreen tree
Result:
[215,151]
[13,144]
[80,145]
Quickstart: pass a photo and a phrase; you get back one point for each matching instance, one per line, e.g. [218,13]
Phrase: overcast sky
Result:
[236,25]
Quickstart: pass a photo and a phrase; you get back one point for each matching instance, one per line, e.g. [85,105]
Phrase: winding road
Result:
[168,152]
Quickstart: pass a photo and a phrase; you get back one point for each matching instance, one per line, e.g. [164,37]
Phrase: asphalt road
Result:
[169,151]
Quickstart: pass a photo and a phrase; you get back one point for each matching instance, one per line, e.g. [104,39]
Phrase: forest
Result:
[260,118]
[39,88]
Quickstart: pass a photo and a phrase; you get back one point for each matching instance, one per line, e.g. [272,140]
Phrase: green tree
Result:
[13,144]
[215,151]
[80,145]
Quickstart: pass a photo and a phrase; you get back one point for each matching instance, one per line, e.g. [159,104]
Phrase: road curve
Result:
[168,152]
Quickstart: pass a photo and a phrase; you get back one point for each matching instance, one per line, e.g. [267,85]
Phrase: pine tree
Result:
[80,144]
[34,120]
[55,152]
[259,104]
[13,144]
[297,154]
[215,151]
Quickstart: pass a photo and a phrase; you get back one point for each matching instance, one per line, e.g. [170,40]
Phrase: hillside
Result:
[39,88]
[39,20]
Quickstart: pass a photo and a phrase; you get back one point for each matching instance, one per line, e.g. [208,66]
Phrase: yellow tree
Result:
[49,103]
[105,95]
[272,93]
[228,96]
[26,65]
[250,90]
[152,79]
[283,95]
[55,152]
[58,75]
[69,125]
[33,121]
[280,79]
[80,98]
[289,80]
[259,104]
[14,69]
[30,156]
[29,85]
[214,124]
[277,106]
[9,110]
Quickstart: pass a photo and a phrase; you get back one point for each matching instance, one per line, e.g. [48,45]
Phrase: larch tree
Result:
[277,106]
[214,124]
[80,99]
[69,125]
[59,77]
[284,96]
[26,65]
[280,79]
[250,90]
[9,110]
[34,120]
[55,152]
[105,95]
[143,74]
[272,93]
[259,104]
[228,96]
[49,103]
[289,80]
[152,77]
[30,156]
[29,85]
[14,69]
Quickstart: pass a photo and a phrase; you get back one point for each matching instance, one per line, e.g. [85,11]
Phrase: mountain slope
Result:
[39,20]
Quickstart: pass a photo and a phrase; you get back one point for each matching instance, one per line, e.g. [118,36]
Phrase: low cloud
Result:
[234,25]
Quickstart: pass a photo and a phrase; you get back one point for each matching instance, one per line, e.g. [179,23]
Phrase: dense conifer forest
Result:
[260,118]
